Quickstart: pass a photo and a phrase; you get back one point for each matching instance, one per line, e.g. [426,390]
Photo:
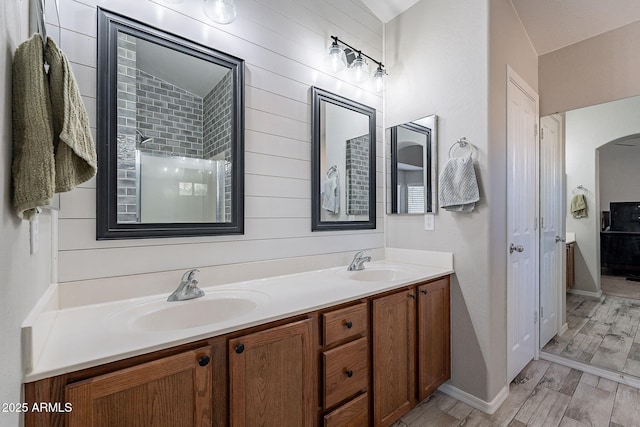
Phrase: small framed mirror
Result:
[343,180]
[411,171]
[170,135]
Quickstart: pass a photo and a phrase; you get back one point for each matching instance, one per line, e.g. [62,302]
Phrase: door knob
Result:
[513,248]
[560,239]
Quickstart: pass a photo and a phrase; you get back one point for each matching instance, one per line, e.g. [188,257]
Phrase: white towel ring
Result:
[578,190]
[462,143]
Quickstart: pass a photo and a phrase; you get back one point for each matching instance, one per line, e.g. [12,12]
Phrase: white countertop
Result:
[570,237]
[81,337]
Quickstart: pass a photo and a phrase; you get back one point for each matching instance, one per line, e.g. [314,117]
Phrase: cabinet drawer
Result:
[354,413]
[346,371]
[344,323]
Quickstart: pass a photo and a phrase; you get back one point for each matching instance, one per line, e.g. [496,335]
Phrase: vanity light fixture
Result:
[337,58]
[378,78]
[346,56]
[220,11]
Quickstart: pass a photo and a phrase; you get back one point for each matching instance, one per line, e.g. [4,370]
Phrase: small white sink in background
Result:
[216,306]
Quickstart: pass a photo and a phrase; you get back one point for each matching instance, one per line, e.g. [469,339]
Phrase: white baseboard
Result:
[616,376]
[469,399]
[597,295]
[564,328]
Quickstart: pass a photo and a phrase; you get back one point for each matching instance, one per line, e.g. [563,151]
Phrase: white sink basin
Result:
[215,307]
[376,274]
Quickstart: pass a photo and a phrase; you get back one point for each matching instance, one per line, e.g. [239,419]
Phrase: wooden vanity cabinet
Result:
[434,336]
[174,391]
[271,377]
[362,363]
[393,352]
[344,361]
[411,348]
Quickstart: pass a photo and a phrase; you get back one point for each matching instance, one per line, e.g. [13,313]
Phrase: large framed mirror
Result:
[170,135]
[411,167]
[343,172]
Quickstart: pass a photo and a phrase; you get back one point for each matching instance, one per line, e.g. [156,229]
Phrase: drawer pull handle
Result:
[412,296]
[204,360]
[424,292]
[349,373]
[239,348]
[348,324]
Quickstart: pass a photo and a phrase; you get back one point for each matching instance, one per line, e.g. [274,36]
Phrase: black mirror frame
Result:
[107,226]
[394,166]
[318,95]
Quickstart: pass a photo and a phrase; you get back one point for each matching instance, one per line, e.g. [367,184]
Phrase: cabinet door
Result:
[434,360]
[171,392]
[272,377]
[393,356]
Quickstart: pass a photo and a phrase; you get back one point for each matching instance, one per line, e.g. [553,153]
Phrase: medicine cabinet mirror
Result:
[343,181]
[411,167]
[170,134]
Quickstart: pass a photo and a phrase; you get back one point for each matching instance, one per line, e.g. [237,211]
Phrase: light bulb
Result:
[337,59]
[378,78]
[359,69]
[220,11]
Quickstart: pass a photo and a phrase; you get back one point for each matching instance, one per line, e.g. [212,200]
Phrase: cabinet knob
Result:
[239,348]
[348,324]
[412,296]
[349,373]
[424,291]
[204,360]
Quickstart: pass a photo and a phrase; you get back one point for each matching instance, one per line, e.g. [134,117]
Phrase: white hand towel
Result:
[457,185]
[331,195]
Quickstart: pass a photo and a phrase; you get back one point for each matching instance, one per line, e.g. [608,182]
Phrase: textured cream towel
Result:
[579,206]
[75,153]
[33,159]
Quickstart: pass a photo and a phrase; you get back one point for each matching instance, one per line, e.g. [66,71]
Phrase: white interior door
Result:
[551,229]
[522,208]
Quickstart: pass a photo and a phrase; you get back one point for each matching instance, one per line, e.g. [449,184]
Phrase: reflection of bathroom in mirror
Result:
[176,121]
[602,153]
[343,163]
[411,167]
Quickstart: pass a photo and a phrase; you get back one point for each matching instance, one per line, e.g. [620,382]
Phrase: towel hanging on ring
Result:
[331,191]
[457,185]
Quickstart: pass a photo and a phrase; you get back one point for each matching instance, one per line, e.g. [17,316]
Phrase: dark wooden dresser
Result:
[620,245]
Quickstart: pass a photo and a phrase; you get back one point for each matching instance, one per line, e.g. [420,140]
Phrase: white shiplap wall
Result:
[283,43]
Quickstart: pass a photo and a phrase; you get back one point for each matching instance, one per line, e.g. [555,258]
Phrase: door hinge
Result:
[542,312]
[541,133]
[535,223]
[541,222]
[535,129]
[535,317]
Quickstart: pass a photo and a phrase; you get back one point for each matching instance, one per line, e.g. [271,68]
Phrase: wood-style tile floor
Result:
[603,334]
[544,394]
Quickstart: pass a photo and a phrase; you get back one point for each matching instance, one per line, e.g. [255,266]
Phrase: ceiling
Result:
[550,24]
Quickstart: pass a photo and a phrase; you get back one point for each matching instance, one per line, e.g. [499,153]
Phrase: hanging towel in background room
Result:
[579,206]
[33,166]
[75,154]
[331,192]
[457,185]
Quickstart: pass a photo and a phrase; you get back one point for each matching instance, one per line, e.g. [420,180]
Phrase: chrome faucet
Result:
[358,261]
[188,287]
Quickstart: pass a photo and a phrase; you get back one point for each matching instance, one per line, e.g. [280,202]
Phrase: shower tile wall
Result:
[358,175]
[217,131]
[127,125]
[171,116]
